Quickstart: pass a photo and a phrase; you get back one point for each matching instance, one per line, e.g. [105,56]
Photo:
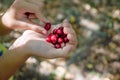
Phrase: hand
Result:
[17,16]
[34,44]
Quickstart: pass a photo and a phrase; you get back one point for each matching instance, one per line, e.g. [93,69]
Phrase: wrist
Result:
[19,51]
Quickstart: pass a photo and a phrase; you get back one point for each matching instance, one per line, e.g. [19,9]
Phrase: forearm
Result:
[3,29]
[10,62]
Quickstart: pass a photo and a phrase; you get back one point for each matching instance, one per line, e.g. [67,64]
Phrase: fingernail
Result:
[65,20]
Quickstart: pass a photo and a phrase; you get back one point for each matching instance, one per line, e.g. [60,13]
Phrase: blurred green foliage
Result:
[96,47]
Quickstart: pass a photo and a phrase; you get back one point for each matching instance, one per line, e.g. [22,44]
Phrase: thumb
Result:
[65,21]
[30,26]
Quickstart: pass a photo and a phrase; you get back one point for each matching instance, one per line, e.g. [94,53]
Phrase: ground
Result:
[97,56]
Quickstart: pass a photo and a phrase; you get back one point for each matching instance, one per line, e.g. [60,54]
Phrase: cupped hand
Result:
[17,16]
[35,44]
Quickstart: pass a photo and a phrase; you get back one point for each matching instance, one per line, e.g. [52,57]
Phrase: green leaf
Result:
[11,78]
[2,48]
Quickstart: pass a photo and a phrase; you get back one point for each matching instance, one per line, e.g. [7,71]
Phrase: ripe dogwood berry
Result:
[47,26]
[58,38]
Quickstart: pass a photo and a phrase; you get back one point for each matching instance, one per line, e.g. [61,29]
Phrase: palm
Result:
[36,44]
[49,50]
[39,46]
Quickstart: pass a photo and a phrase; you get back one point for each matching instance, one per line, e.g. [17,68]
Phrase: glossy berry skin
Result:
[47,26]
[61,28]
[59,32]
[48,39]
[64,35]
[54,39]
[55,31]
[60,40]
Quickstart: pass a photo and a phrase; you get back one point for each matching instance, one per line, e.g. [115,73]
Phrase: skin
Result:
[32,41]
[3,30]
[31,44]
[15,17]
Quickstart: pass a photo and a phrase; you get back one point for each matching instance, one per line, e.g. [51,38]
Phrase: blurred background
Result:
[97,56]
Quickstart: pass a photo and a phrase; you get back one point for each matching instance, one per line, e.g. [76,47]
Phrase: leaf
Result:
[2,48]
[11,78]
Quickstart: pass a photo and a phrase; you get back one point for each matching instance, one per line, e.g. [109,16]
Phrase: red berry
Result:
[50,34]
[48,39]
[59,32]
[60,40]
[54,31]
[47,26]
[66,40]
[64,35]
[57,46]
[61,28]
[54,38]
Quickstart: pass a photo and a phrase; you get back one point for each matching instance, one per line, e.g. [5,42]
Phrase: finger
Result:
[41,17]
[67,27]
[64,51]
[68,48]
[30,26]
[24,23]
[71,35]
[25,6]
[32,34]
[72,39]
[38,3]
[32,16]
[69,30]
[37,12]
[35,20]
[66,23]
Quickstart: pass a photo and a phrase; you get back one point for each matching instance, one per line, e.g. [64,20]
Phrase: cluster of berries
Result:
[58,38]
